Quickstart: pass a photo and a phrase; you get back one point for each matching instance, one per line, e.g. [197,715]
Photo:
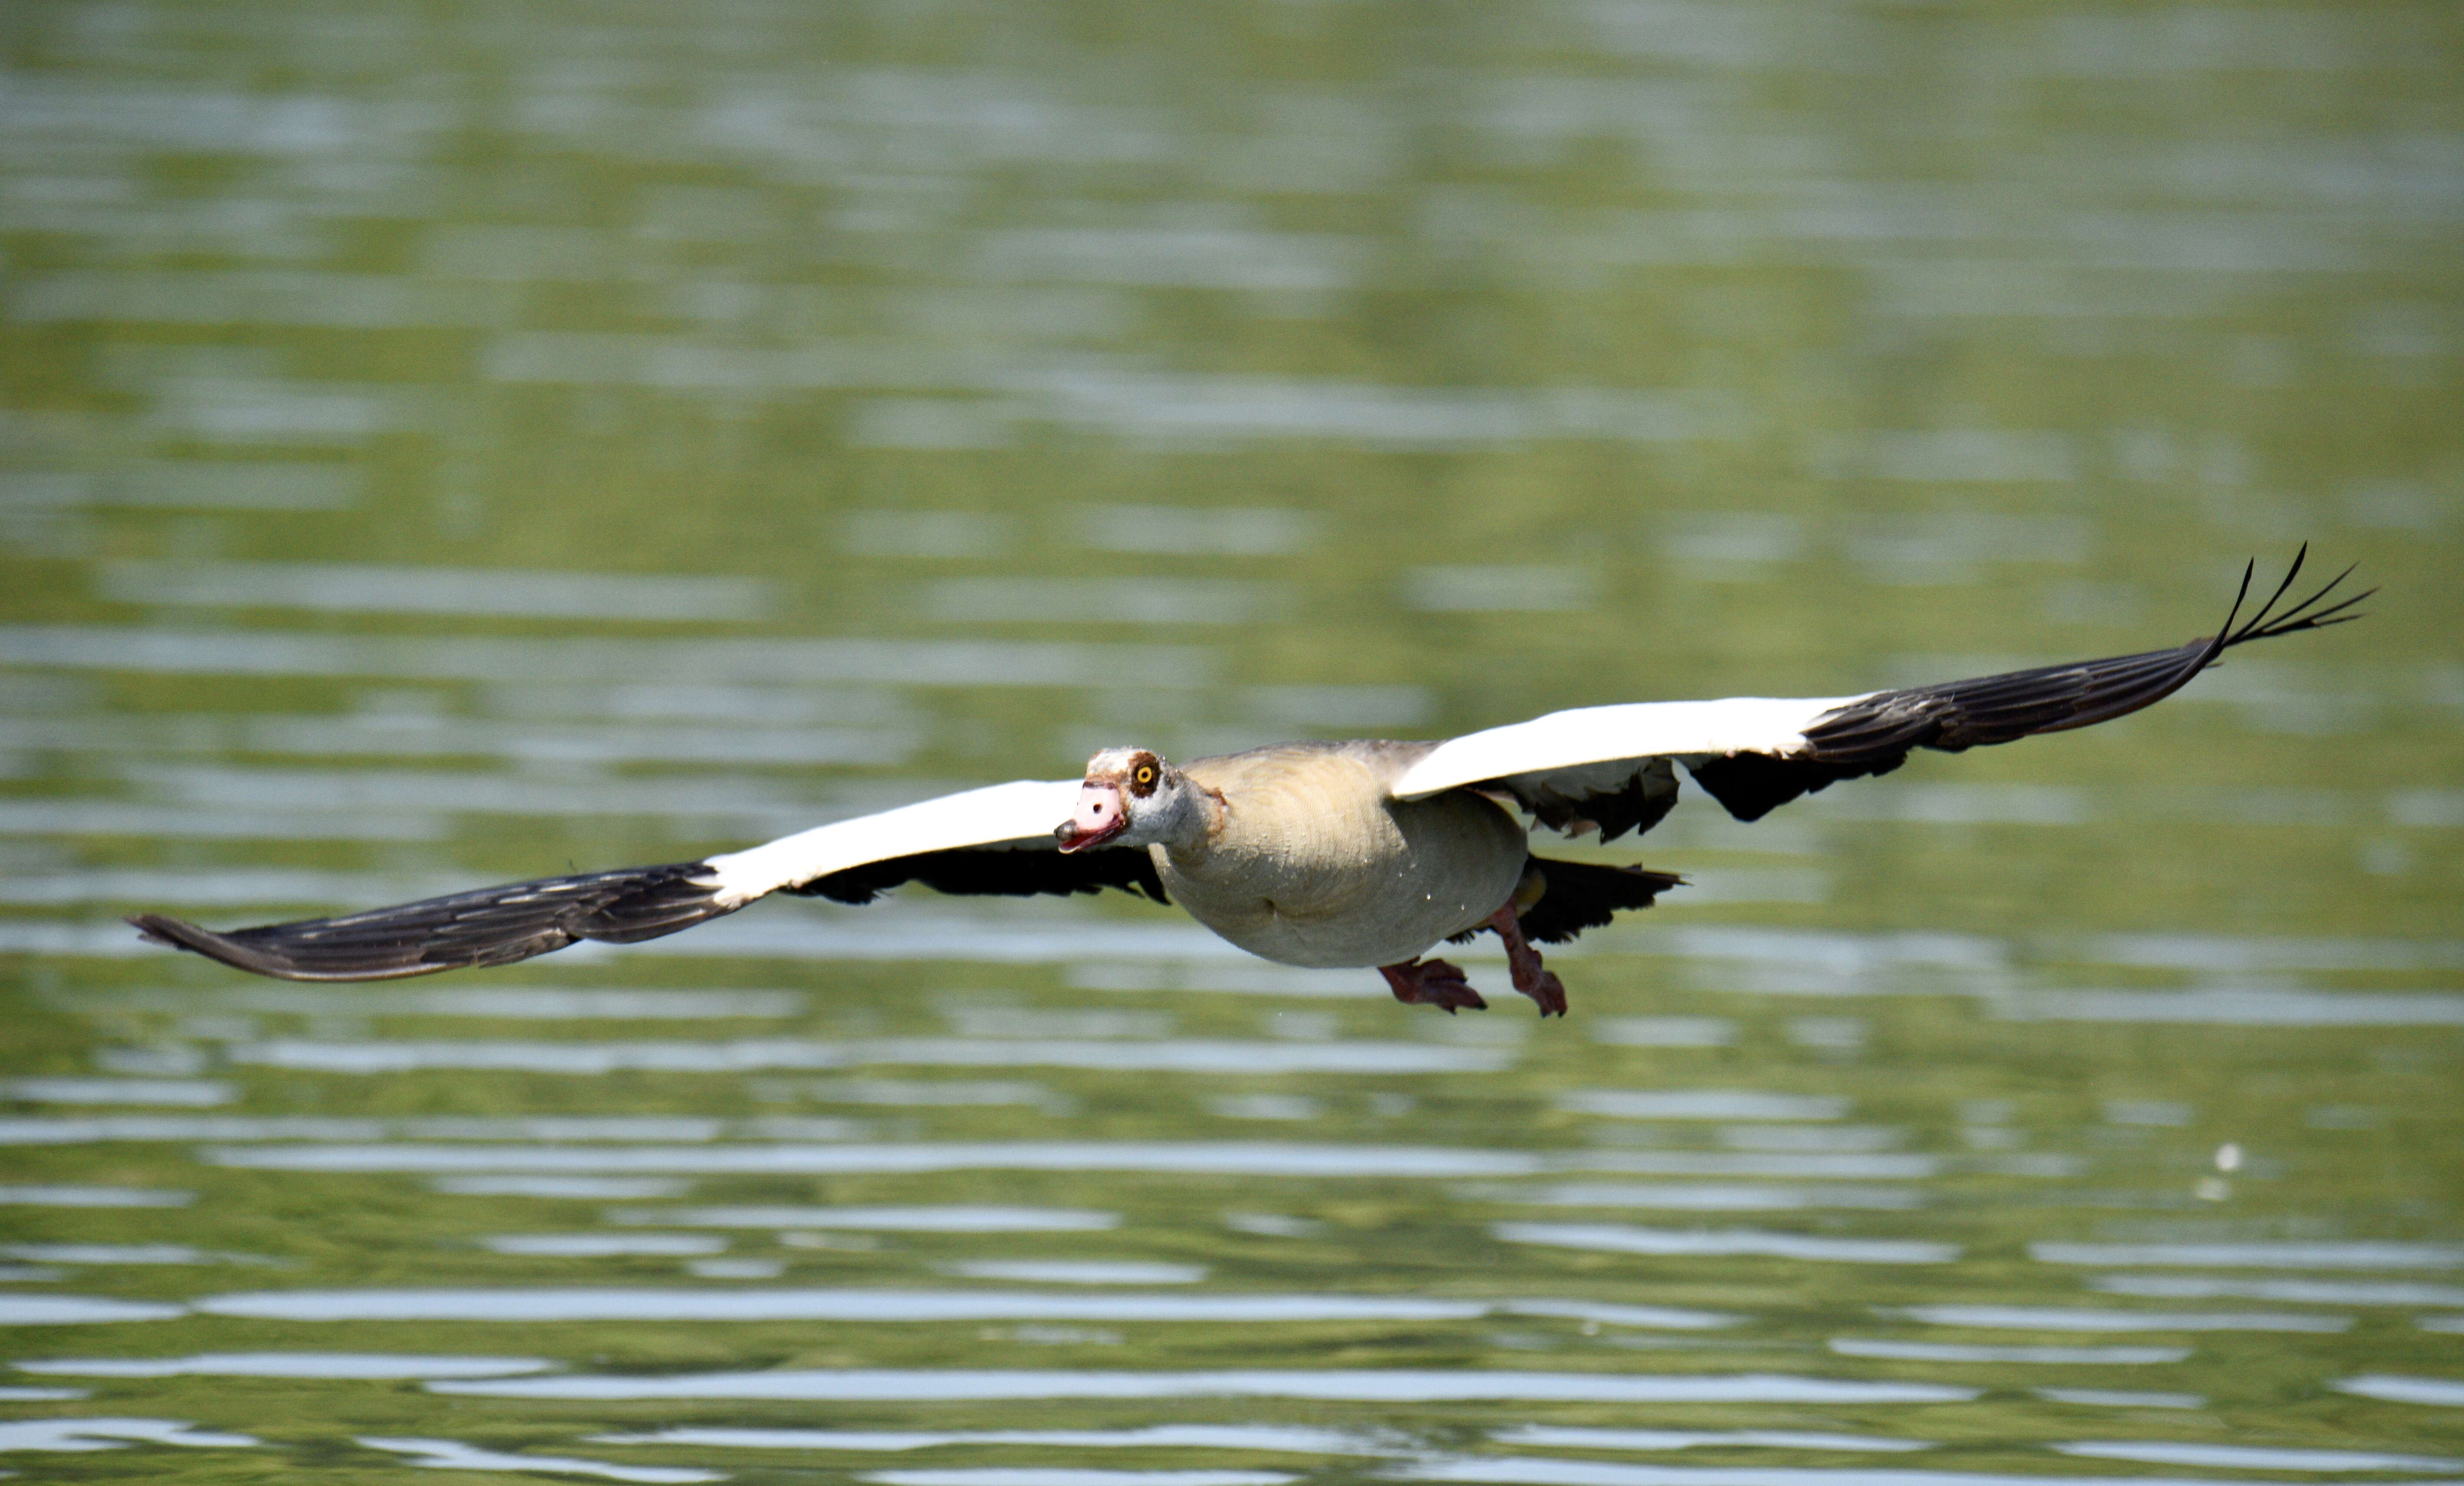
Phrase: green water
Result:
[445,443]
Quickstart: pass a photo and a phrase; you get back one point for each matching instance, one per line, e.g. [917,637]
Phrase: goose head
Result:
[1132,797]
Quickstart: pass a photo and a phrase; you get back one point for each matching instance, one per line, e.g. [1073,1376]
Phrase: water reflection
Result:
[545,1305]
[123,1254]
[1277,1438]
[559,1188]
[1620,1238]
[2341,1255]
[596,1246]
[432,591]
[1843,1168]
[1703,1104]
[2015,1318]
[150,1128]
[1079,1272]
[1564,1437]
[2249,1457]
[1707,1198]
[2254,1008]
[95,1197]
[191,1092]
[1079,1475]
[111,1433]
[906,1220]
[2119,1398]
[2240,953]
[1181,1055]
[288,1365]
[1357,1385]
[1665,1032]
[509,1003]
[2440,1392]
[1957,1352]
[817,1305]
[78,1310]
[941,1091]
[1224,1157]
[455,1455]
[1602,1313]
[1533,1471]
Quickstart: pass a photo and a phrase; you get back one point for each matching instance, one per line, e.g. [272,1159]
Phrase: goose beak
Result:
[1101,815]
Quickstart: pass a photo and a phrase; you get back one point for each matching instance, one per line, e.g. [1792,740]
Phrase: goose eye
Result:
[1146,775]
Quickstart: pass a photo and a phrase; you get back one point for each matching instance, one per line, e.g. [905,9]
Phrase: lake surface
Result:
[443,444]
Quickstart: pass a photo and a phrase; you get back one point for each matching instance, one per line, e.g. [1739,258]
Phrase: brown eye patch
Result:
[1143,775]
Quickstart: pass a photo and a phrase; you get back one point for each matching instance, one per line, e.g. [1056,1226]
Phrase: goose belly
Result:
[1378,887]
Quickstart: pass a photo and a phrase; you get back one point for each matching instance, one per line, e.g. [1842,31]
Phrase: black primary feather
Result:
[495,925]
[1753,785]
[1875,736]
[1022,872]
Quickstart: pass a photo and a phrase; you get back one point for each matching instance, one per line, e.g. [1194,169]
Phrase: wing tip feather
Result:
[162,929]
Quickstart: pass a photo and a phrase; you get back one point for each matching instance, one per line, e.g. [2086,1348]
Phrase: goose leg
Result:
[1432,983]
[1530,978]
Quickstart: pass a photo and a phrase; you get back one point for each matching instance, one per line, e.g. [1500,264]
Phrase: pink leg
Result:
[1524,961]
[1431,983]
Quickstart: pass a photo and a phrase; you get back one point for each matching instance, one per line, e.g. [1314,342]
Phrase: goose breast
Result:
[1311,863]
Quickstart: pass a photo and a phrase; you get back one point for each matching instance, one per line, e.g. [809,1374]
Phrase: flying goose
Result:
[1324,854]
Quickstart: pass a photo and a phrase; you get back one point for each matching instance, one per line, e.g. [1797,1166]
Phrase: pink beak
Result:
[1100,817]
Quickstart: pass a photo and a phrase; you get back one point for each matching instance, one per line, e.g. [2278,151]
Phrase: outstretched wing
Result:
[1613,767]
[992,840]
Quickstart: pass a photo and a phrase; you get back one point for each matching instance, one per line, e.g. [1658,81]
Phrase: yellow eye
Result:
[1146,775]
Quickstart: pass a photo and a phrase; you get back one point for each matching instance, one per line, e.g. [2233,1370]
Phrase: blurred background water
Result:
[443,443]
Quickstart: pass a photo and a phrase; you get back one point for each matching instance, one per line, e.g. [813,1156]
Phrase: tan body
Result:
[1310,863]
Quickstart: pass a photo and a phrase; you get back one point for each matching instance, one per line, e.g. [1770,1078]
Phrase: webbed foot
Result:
[1433,983]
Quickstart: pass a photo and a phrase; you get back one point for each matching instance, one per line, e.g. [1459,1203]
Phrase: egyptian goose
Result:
[1308,854]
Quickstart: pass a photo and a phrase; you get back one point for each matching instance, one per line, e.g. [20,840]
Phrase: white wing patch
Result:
[1022,812]
[1635,730]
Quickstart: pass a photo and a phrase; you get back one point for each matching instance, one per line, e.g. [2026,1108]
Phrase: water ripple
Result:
[1531,1472]
[1277,1438]
[1224,1159]
[453,1455]
[565,1304]
[1186,1056]
[1954,1352]
[1073,1476]
[2314,1292]
[1362,1385]
[1618,1239]
[950,1219]
[2250,1457]
[2362,1255]
[288,1365]
[1705,1198]
[95,1197]
[105,1433]
[2445,1392]
[2026,1318]
[1577,1438]
[78,1310]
